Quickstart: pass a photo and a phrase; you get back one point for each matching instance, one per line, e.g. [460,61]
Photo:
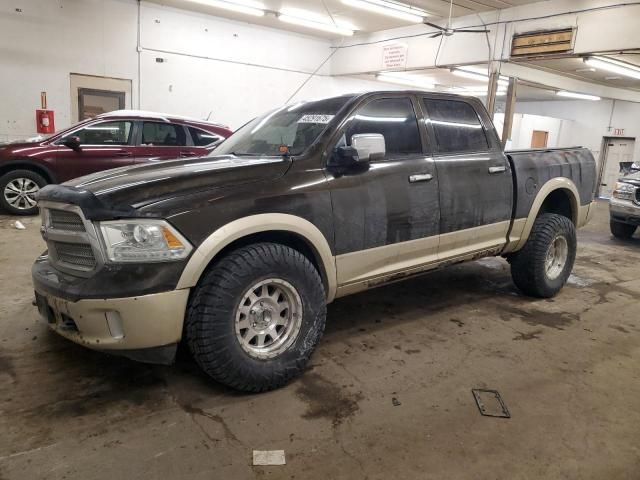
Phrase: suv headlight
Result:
[143,241]
[624,191]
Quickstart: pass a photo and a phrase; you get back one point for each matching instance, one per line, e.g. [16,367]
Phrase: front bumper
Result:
[137,327]
[624,211]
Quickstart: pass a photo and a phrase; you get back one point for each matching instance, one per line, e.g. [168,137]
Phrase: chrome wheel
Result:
[20,193]
[556,257]
[268,318]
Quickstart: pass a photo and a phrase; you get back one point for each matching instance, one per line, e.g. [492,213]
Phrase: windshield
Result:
[295,126]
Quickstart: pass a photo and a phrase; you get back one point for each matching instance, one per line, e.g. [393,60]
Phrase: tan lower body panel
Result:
[122,323]
[359,271]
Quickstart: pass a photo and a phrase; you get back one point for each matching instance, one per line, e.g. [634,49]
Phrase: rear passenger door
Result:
[474,177]
[161,141]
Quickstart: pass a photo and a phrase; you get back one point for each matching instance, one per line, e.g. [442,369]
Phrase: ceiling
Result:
[575,68]
[444,80]
[363,20]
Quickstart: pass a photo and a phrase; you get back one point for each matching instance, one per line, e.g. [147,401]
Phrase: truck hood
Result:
[129,188]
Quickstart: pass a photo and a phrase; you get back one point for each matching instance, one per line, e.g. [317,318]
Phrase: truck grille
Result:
[70,238]
[62,220]
[75,254]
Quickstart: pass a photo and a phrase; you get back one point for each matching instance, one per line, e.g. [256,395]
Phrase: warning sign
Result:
[394,56]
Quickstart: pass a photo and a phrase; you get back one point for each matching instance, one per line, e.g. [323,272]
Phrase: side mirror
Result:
[72,142]
[370,146]
[365,147]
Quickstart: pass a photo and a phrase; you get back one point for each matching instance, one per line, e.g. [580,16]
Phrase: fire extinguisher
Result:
[45,118]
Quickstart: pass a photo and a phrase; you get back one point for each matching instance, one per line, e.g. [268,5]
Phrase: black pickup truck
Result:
[237,254]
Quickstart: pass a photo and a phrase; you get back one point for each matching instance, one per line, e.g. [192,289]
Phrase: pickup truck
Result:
[624,206]
[237,254]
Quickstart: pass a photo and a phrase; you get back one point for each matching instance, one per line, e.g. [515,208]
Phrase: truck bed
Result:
[532,168]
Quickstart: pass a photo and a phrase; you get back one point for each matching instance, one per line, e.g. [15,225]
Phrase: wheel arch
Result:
[290,230]
[24,164]
[558,195]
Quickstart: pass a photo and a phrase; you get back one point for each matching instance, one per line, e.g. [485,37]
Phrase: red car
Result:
[110,140]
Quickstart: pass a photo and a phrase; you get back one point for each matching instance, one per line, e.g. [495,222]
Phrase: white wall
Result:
[589,121]
[234,70]
[50,39]
[524,125]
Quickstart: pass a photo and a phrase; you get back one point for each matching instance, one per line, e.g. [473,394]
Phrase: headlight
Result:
[143,241]
[624,191]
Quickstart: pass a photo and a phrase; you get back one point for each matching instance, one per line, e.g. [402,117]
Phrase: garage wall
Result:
[232,69]
[590,121]
[49,39]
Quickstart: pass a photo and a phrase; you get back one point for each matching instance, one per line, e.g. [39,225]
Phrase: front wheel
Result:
[545,262]
[622,230]
[18,190]
[256,316]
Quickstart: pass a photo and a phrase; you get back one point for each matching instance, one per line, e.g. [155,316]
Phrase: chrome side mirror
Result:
[370,146]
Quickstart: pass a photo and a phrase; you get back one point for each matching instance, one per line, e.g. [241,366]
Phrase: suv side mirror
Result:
[72,142]
[365,147]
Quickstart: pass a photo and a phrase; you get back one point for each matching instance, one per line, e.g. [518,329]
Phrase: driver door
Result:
[103,145]
[386,214]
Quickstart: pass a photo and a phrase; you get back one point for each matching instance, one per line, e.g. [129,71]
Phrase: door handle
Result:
[420,177]
[497,169]
[124,154]
[187,154]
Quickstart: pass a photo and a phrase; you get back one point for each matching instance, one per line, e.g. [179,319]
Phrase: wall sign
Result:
[618,131]
[394,56]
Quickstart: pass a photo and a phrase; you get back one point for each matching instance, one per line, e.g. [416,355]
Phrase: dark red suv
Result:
[111,140]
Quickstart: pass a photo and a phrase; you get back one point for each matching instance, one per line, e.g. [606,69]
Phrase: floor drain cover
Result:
[490,403]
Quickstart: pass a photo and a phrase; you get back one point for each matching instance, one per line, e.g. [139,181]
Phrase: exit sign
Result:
[618,131]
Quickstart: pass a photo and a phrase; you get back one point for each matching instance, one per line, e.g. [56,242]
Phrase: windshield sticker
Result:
[324,119]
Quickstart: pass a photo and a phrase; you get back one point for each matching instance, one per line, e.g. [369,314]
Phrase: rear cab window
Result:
[456,126]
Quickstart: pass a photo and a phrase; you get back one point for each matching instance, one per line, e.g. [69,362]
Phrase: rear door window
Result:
[202,138]
[394,119]
[456,126]
[162,134]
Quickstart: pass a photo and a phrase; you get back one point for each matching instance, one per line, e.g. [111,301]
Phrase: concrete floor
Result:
[567,369]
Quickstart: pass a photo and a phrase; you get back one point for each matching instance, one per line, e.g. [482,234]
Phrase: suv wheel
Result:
[256,316]
[545,262]
[622,230]
[18,191]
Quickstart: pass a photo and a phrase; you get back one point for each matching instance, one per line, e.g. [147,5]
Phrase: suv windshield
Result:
[296,126]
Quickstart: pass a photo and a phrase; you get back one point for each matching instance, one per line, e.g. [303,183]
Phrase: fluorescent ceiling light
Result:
[476,92]
[615,66]
[404,79]
[308,19]
[248,7]
[581,96]
[480,77]
[389,8]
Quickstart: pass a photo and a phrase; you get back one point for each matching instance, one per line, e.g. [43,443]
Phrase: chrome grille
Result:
[63,220]
[74,254]
[71,239]
[638,195]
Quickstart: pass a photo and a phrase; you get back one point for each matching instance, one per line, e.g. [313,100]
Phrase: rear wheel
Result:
[545,262]
[622,230]
[18,190]
[256,316]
